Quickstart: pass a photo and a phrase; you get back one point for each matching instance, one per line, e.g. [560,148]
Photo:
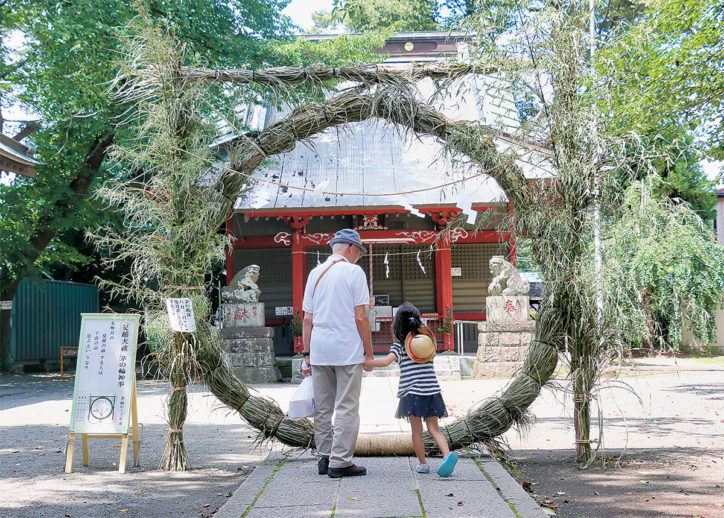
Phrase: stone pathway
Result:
[288,485]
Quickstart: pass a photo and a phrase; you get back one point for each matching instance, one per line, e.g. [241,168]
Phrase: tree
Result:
[682,179]
[379,15]
[667,71]
[69,60]
[663,267]
[679,174]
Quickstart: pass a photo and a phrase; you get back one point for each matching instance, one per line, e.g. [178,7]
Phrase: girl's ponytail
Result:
[407,319]
[413,324]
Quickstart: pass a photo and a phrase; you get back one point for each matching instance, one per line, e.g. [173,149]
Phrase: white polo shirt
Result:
[335,338]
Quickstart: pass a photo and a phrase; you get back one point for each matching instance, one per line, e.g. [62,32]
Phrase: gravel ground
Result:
[34,417]
[663,455]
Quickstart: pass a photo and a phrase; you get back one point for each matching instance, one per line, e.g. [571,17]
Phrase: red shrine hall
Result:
[430,220]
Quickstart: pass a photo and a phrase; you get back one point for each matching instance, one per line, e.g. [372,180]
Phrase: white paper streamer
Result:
[387,266]
[467,208]
[420,262]
[318,263]
[413,210]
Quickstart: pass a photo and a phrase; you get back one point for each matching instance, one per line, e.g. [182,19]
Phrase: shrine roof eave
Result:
[15,161]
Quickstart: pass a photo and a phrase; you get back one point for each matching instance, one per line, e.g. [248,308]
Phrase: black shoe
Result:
[323,464]
[349,471]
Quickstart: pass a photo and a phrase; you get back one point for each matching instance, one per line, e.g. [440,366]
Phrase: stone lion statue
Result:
[506,279]
[243,286]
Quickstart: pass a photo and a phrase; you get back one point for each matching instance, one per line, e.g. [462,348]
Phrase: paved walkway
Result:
[287,485]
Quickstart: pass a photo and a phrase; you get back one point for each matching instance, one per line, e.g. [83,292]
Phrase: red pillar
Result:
[299,266]
[443,284]
[298,271]
[512,250]
[229,251]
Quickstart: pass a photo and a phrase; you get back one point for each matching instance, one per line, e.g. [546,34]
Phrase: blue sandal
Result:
[422,468]
[448,464]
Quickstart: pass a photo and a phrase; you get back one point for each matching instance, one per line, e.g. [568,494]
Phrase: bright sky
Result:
[300,11]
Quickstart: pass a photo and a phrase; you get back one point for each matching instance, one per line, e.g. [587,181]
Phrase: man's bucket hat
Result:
[347,235]
[420,346]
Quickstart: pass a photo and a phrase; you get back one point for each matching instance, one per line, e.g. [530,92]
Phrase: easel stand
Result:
[133,434]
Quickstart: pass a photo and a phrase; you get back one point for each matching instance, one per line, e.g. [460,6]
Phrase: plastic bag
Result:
[302,402]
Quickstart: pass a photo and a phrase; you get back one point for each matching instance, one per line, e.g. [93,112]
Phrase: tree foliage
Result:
[667,71]
[682,179]
[72,53]
[663,267]
[67,64]
[379,15]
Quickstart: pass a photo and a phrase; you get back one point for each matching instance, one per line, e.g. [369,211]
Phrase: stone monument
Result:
[504,337]
[247,344]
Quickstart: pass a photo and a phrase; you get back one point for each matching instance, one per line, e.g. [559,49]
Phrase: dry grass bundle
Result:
[282,77]
[554,215]
[260,412]
[486,423]
[383,94]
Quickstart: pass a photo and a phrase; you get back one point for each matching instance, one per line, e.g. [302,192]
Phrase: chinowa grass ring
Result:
[420,345]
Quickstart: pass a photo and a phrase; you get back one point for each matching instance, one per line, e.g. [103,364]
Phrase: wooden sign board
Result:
[104,397]
[104,373]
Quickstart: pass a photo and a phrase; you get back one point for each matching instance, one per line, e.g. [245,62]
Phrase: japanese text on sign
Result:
[181,315]
[105,375]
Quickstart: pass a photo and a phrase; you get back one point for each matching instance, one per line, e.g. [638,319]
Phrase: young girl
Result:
[418,391]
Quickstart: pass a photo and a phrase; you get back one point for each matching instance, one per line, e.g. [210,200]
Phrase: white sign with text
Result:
[283,311]
[181,315]
[105,373]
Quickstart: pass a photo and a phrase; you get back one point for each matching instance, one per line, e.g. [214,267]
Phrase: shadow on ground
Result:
[641,483]
[32,461]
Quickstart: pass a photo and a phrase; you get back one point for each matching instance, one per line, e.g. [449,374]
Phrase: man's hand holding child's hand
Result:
[368,364]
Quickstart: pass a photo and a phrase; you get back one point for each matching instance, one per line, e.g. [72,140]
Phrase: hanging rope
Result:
[484,172]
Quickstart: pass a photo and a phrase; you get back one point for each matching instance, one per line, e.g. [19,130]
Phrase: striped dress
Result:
[415,378]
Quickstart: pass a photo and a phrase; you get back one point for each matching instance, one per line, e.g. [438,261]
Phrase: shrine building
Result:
[430,221]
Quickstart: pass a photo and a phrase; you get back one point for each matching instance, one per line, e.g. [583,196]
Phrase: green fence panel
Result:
[46,317]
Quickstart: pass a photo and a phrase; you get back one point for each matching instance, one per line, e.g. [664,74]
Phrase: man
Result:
[337,339]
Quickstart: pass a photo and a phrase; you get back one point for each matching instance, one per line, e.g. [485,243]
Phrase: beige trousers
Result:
[336,390]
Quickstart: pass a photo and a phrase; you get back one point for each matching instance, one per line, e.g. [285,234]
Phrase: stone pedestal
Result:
[506,308]
[243,314]
[502,347]
[249,350]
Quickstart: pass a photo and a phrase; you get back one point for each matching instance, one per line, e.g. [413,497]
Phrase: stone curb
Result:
[509,488]
[251,489]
